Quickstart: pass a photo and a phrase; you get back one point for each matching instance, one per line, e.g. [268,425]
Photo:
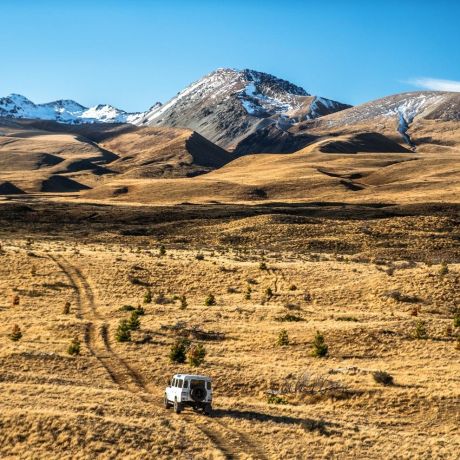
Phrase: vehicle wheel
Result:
[166,403]
[207,410]
[177,407]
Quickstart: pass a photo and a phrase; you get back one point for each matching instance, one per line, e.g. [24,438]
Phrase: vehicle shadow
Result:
[323,427]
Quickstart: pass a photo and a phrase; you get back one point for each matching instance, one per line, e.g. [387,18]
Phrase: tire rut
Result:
[96,332]
[231,443]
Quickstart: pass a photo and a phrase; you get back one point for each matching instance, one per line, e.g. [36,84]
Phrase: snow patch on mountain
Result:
[260,94]
[63,111]
[405,105]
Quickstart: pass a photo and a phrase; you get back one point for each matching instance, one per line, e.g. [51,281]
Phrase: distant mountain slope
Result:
[63,111]
[227,105]
[399,116]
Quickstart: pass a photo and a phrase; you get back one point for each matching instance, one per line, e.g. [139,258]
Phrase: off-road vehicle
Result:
[186,390]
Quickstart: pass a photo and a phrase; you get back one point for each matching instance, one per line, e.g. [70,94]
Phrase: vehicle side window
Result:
[174,382]
[185,383]
[208,385]
[180,383]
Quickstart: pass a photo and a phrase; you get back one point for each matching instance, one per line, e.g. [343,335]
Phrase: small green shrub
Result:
[183,302]
[134,323]
[444,270]
[196,354]
[320,349]
[275,399]
[162,251]
[210,300]
[16,333]
[127,308]
[283,338]
[293,287]
[263,266]
[74,347]
[139,311]
[420,330]
[199,256]
[457,320]
[148,296]
[123,333]
[178,352]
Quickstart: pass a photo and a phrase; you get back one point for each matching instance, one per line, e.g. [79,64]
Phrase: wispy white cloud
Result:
[435,84]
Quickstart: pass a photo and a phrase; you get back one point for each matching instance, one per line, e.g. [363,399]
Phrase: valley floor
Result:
[364,279]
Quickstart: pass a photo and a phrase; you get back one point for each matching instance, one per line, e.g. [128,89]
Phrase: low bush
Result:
[74,347]
[444,270]
[320,349]
[383,378]
[123,333]
[283,338]
[178,352]
[457,320]
[16,333]
[196,354]
[183,302]
[210,300]
[275,399]
[420,330]
[148,296]
[134,323]
[139,311]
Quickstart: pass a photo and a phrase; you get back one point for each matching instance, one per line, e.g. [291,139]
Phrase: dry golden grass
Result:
[307,175]
[107,401]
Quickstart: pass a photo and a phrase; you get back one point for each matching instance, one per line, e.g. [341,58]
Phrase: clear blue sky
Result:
[133,53]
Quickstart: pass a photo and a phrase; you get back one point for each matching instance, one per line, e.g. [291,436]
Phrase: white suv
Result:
[189,390]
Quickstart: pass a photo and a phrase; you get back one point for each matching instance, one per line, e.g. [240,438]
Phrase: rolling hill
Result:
[51,157]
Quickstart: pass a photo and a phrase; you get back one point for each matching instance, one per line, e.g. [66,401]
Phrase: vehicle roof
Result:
[193,376]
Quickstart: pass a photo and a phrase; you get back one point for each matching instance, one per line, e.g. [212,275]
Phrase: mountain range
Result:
[206,143]
[224,106]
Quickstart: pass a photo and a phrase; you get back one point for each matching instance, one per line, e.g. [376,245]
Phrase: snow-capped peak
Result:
[63,111]
[260,94]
